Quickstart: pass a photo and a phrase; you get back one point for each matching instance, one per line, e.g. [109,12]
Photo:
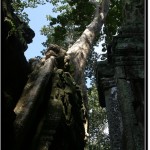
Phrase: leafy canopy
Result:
[69,24]
[73,17]
[20,5]
[98,139]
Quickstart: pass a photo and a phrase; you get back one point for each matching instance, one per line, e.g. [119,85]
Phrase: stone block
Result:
[134,72]
[120,72]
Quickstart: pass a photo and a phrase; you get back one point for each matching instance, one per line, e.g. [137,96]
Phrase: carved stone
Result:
[126,59]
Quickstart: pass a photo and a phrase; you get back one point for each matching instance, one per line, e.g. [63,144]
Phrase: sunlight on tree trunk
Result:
[79,52]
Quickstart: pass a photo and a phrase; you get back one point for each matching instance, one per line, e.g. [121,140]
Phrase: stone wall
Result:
[125,108]
[108,95]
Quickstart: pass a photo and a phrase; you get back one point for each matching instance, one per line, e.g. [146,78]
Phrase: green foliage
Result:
[98,140]
[20,5]
[67,26]
[113,22]
[73,18]
[14,29]
[12,25]
[77,15]
[90,68]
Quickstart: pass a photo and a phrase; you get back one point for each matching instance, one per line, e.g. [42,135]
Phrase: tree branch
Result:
[80,49]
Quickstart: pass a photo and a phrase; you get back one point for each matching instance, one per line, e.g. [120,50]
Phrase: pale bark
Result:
[31,100]
[80,50]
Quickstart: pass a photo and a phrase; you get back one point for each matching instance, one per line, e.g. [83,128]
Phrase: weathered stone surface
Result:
[104,77]
[132,134]
[120,72]
[114,118]
[135,72]
[126,56]
[104,69]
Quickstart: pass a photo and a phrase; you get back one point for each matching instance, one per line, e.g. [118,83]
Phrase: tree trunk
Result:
[30,101]
[79,52]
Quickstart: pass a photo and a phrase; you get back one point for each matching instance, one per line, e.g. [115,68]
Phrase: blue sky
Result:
[37,18]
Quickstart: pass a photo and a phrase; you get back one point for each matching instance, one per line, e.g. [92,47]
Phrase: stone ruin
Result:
[43,107]
[121,81]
